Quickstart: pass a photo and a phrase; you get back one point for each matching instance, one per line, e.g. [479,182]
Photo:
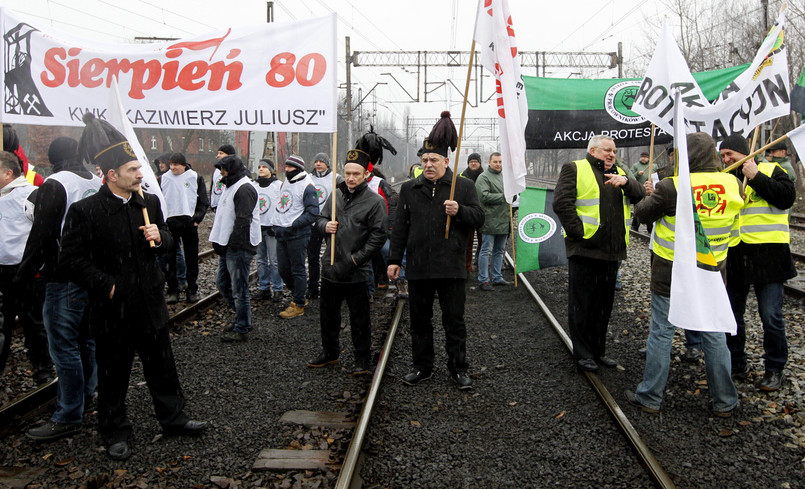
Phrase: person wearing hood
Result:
[591,200]
[162,163]
[718,202]
[269,282]
[186,200]
[322,177]
[24,300]
[217,184]
[359,226]
[473,171]
[297,209]
[106,250]
[235,235]
[760,256]
[65,316]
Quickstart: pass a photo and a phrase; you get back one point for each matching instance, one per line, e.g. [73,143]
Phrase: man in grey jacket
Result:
[359,227]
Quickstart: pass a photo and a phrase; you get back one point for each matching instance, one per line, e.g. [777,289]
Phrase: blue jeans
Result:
[233,283]
[658,361]
[291,256]
[71,348]
[268,274]
[770,307]
[495,245]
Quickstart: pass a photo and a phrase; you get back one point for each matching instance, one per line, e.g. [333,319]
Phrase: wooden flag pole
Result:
[145,216]
[754,145]
[332,196]
[755,153]
[460,134]
[514,241]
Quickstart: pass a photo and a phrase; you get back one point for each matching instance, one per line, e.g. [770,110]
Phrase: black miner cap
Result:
[358,156]
[441,137]
[103,145]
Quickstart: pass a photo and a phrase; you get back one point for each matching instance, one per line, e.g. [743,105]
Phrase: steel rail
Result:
[658,474]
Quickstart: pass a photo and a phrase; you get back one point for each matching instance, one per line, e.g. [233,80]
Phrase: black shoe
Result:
[771,381]
[191,296]
[462,379]
[191,428]
[587,364]
[416,376]
[276,295]
[90,403]
[606,362]
[323,359]
[692,355]
[485,286]
[172,298]
[634,401]
[725,414]
[119,451]
[312,294]
[741,374]
[502,282]
[43,376]
[262,294]
[361,367]
[51,431]
[234,337]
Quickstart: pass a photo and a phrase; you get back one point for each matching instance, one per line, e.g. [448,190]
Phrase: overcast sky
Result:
[410,25]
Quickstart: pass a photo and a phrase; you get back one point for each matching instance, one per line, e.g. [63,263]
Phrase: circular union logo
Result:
[710,199]
[321,193]
[262,200]
[619,99]
[536,228]
[285,203]
[88,193]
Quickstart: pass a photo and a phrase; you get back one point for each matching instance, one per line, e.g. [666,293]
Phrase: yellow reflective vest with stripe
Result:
[761,222]
[588,200]
[717,197]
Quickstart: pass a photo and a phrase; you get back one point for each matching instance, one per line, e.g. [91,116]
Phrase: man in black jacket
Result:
[235,235]
[435,264]
[359,228]
[106,250]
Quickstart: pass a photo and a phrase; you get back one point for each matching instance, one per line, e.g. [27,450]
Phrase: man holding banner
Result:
[592,199]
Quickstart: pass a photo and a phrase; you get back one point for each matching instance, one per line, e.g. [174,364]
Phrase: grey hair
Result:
[596,140]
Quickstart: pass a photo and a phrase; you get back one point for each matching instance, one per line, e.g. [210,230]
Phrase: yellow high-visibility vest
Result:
[761,222]
[588,200]
[718,202]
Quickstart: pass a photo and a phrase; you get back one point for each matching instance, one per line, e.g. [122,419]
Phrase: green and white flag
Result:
[540,243]
[798,95]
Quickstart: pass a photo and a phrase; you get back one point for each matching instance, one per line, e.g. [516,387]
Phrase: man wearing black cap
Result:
[360,231]
[435,264]
[322,177]
[106,250]
[779,154]
[760,256]
[297,209]
[473,171]
[72,347]
[269,282]
[216,184]
[235,235]
[186,200]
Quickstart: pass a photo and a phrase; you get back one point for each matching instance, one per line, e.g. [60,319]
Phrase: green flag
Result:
[540,243]
[798,95]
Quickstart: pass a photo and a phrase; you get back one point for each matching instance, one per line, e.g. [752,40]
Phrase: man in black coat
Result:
[435,264]
[106,249]
[359,228]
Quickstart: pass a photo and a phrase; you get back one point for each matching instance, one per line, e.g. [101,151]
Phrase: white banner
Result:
[759,94]
[267,77]
[494,34]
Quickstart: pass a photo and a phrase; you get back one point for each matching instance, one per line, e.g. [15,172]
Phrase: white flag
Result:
[797,137]
[699,299]
[494,34]
[117,118]
[759,94]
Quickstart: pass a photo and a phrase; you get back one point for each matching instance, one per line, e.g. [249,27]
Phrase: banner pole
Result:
[754,153]
[752,148]
[332,195]
[460,133]
[514,241]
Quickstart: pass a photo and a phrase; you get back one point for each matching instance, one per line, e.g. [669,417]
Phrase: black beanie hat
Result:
[178,158]
[227,148]
[780,145]
[474,156]
[441,137]
[62,150]
[103,145]
[10,140]
[737,143]
[267,163]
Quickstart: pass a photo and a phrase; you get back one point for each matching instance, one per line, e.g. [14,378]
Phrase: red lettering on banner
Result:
[283,73]
[499,91]
[510,30]
[487,6]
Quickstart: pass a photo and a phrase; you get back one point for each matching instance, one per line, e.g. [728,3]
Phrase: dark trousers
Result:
[24,300]
[115,354]
[314,260]
[770,307]
[591,293]
[291,262]
[332,295]
[451,301]
[183,229]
